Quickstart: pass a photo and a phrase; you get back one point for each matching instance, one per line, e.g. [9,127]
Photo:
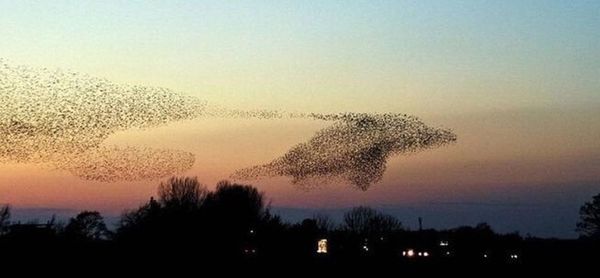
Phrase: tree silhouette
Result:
[366,221]
[235,212]
[188,223]
[225,221]
[141,224]
[87,225]
[324,223]
[589,215]
[4,219]
[182,192]
[237,202]
[176,218]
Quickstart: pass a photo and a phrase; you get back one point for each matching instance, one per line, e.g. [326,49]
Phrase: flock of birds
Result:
[355,149]
[62,119]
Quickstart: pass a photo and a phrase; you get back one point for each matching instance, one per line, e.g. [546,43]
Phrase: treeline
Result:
[234,223]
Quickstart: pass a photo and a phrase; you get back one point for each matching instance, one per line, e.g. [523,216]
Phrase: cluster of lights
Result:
[411,253]
[444,243]
[365,246]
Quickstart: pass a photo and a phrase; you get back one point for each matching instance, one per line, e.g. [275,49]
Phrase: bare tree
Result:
[4,219]
[589,214]
[357,219]
[324,222]
[184,192]
[369,222]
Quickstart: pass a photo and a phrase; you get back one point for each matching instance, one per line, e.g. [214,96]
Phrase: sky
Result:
[517,81]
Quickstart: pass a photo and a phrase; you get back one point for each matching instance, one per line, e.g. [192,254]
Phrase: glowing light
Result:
[411,253]
[322,246]
[444,243]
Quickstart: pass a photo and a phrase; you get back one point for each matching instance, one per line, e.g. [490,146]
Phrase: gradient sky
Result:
[518,82]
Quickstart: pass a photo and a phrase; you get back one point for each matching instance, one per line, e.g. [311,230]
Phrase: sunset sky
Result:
[517,81]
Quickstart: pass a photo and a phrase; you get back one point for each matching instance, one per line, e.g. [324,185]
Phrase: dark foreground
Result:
[296,254]
[189,229]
